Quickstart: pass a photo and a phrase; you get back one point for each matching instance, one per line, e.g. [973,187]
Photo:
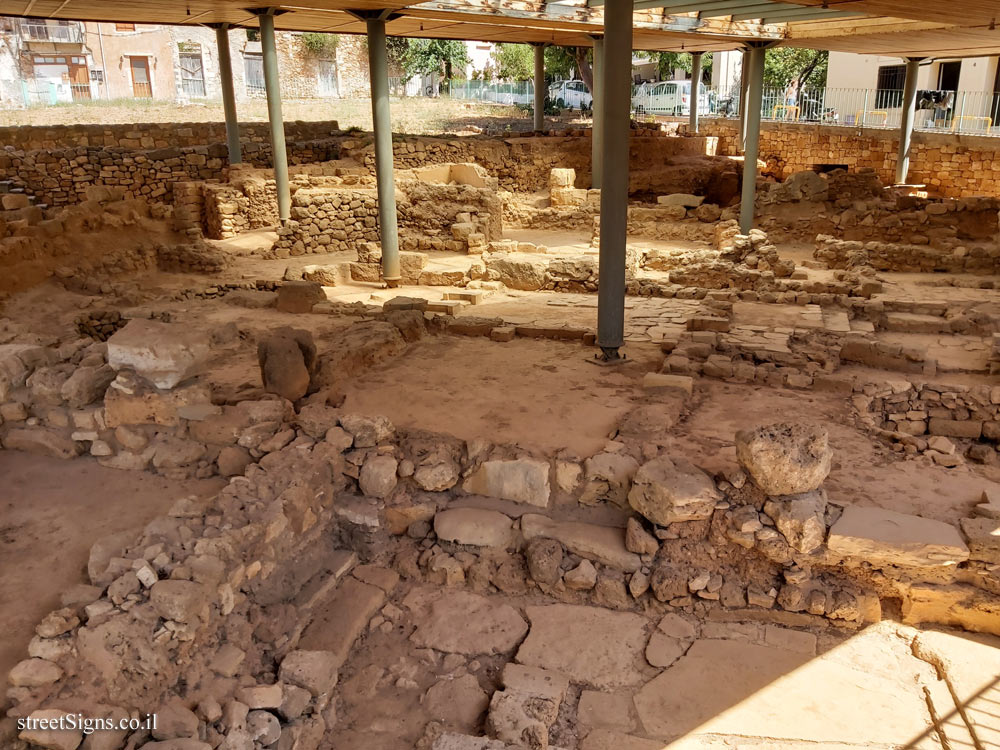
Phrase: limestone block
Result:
[163,353]
[884,537]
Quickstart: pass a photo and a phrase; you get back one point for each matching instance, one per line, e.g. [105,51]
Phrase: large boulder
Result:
[287,361]
[162,353]
[785,459]
[666,490]
[514,273]
[299,296]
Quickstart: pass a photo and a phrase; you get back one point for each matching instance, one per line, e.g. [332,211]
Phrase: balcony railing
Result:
[55,31]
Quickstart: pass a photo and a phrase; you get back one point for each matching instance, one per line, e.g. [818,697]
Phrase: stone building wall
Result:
[353,81]
[952,165]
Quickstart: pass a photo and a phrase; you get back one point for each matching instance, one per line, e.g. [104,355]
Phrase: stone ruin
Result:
[506,596]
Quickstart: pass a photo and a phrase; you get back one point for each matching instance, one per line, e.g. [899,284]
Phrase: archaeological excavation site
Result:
[599,431]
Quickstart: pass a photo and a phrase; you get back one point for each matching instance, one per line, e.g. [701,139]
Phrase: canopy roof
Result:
[888,27]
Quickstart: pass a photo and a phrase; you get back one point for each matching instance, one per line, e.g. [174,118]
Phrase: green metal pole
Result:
[539,86]
[617,102]
[228,94]
[597,129]
[755,100]
[909,115]
[272,86]
[695,91]
[378,65]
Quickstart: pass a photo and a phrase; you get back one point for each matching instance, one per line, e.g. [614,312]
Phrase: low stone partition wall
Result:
[61,177]
[328,220]
[450,207]
[886,256]
[154,135]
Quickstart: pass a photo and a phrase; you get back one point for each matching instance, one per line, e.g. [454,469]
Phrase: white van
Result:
[668,98]
[571,95]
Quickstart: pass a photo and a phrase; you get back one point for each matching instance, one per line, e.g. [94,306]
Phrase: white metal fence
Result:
[965,112]
[972,112]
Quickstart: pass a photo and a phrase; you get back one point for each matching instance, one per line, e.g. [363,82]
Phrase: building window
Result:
[253,68]
[327,78]
[889,93]
[124,27]
[192,74]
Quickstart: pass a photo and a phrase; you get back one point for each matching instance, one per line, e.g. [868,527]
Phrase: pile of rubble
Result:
[208,615]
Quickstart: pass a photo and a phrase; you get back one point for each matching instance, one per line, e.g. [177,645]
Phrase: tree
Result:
[805,68]
[561,62]
[426,56]
[514,62]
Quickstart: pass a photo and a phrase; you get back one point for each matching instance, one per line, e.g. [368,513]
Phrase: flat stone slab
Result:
[459,622]
[590,645]
[729,687]
[338,623]
[474,526]
[605,544]
[523,480]
[884,537]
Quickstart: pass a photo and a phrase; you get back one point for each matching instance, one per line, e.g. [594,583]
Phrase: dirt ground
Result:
[416,115]
[51,512]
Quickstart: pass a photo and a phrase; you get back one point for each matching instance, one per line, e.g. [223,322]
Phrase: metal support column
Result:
[908,115]
[695,91]
[744,88]
[228,94]
[378,65]
[755,97]
[272,87]
[539,86]
[597,128]
[616,107]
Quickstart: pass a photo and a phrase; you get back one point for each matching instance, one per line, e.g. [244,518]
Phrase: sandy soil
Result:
[411,115]
[539,394]
[51,512]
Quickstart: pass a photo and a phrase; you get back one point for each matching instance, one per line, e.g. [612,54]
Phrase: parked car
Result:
[571,95]
[668,98]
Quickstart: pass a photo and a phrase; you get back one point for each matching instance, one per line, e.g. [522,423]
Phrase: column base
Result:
[393,283]
[609,355]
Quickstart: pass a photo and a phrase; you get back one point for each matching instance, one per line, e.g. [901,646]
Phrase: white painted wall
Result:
[727,68]
[848,70]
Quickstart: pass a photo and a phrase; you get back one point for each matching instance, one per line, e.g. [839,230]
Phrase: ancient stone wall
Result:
[145,136]
[949,164]
[887,256]
[432,216]
[61,177]
[328,220]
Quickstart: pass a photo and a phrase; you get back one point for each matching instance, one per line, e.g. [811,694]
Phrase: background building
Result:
[47,62]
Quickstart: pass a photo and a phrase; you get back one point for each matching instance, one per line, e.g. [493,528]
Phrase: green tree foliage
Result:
[805,67]
[514,62]
[426,56]
[320,45]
